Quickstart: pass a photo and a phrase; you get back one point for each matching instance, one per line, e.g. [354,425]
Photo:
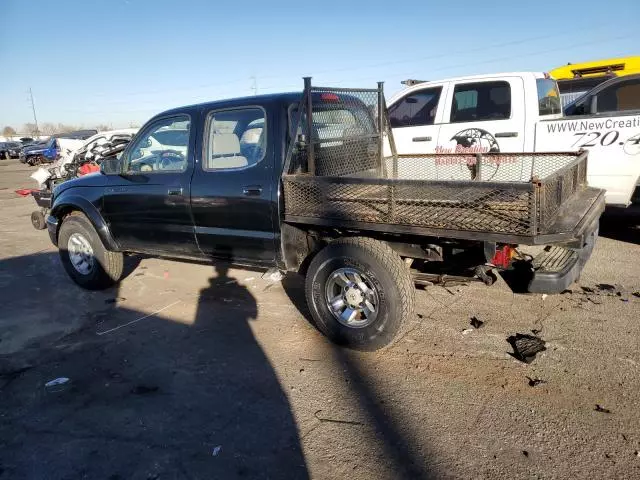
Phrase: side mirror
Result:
[111,166]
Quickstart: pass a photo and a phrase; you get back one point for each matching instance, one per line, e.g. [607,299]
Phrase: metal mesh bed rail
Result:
[343,166]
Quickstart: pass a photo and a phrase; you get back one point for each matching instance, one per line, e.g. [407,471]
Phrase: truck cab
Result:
[484,113]
[514,113]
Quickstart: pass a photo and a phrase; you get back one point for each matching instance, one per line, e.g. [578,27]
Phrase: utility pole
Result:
[254,87]
[33,107]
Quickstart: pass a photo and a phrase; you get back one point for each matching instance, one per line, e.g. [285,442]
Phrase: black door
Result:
[148,205]
[232,187]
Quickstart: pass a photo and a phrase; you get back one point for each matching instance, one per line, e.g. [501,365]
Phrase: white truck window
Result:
[416,109]
[549,102]
[473,102]
[619,97]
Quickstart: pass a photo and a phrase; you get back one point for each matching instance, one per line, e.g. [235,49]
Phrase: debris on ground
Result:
[273,275]
[636,294]
[114,300]
[216,450]
[601,409]
[536,331]
[57,384]
[544,296]
[535,381]
[525,453]
[332,420]
[475,322]
[467,330]
[144,389]
[526,347]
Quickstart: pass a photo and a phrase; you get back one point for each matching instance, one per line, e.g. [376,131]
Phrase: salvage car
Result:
[10,150]
[312,192]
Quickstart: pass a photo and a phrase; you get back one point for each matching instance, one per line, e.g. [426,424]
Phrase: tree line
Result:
[48,128]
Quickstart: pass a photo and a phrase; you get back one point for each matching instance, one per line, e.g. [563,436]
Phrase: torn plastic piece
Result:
[526,347]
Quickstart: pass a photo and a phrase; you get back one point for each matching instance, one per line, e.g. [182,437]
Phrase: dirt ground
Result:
[195,371]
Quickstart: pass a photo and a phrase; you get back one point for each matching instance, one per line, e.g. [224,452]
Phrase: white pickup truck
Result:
[518,112]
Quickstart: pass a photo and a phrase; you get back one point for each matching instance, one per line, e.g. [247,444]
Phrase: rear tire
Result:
[364,276]
[84,256]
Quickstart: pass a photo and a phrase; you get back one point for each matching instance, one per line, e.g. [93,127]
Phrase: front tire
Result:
[84,256]
[360,293]
[38,221]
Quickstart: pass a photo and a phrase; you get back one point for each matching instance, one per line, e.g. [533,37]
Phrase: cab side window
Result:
[620,97]
[236,138]
[416,109]
[473,102]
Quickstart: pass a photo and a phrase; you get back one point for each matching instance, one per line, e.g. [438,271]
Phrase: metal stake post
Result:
[311,160]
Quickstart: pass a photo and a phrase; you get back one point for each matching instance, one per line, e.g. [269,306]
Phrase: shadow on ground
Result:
[162,400]
[403,450]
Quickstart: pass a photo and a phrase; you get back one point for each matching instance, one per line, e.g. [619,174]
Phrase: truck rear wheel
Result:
[84,257]
[360,293]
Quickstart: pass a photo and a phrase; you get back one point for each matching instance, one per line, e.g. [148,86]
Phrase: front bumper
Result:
[52,228]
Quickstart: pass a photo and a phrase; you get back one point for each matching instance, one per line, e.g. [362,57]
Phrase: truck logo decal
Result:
[632,145]
[471,140]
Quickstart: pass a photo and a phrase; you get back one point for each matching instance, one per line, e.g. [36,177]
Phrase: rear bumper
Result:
[558,267]
[52,228]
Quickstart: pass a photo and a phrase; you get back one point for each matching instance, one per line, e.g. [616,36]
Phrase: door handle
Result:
[421,139]
[252,190]
[506,135]
[174,192]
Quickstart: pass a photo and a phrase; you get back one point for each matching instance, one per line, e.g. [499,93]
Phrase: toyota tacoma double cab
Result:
[299,182]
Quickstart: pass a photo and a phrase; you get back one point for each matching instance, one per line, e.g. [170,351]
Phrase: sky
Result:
[119,62]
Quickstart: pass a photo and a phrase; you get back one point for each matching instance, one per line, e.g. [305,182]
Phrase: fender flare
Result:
[67,203]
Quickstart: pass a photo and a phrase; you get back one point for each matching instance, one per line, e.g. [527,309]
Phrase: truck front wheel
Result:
[84,257]
[360,293]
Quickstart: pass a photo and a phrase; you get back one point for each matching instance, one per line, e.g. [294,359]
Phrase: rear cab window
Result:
[478,101]
[549,102]
[619,97]
[335,117]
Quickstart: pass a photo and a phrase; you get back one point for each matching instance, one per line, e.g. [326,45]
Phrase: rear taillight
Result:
[329,97]
[503,256]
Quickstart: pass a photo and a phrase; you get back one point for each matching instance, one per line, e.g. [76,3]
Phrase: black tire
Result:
[107,266]
[38,221]
[385,271]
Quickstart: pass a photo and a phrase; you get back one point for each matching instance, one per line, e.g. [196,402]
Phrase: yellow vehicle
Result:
[575,79]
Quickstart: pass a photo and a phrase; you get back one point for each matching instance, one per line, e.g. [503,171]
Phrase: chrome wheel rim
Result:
[80,254]
[352,297]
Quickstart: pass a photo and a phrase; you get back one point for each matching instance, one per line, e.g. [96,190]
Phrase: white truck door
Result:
[610,131]
[483,116]
[414,120]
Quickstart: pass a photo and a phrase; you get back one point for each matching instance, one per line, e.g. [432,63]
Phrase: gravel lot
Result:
[195,371]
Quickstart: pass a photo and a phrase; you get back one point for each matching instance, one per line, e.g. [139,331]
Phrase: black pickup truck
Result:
[303,183]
